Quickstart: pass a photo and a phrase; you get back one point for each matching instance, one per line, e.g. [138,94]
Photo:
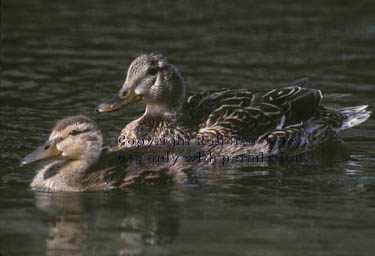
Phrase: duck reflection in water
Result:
[86,223]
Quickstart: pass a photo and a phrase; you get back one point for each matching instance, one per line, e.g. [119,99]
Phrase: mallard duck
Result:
[82,164]
[279,113]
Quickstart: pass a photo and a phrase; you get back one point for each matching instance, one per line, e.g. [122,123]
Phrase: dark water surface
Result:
[60,58]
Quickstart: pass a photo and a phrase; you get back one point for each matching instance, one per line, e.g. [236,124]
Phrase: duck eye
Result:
[73,132]
[152,71]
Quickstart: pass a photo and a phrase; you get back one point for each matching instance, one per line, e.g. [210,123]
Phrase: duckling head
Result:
[152,81]
[73,138]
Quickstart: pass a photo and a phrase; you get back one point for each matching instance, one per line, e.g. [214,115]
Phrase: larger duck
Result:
[292,111]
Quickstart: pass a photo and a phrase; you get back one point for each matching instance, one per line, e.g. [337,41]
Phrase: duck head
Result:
[150,80]
[73,138]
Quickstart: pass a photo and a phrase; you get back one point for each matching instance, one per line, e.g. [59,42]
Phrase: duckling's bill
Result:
[46,151]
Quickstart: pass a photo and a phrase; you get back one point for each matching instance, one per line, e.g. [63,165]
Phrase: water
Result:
[60,59]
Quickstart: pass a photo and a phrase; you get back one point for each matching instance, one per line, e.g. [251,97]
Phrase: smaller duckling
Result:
[83,165]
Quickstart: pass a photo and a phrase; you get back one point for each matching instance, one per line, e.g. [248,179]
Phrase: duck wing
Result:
[298,103]
[124,167]
[241,112]
[198,108]
[326,124]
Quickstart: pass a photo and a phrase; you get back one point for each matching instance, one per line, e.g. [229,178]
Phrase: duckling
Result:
[82,164]
[289,111]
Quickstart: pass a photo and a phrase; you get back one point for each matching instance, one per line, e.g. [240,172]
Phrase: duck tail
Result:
[354,116]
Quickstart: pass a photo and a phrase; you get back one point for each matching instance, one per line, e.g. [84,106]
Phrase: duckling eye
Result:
[73,132]
[152,71]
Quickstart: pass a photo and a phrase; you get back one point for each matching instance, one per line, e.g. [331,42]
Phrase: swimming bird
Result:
[82,164]
[292,111]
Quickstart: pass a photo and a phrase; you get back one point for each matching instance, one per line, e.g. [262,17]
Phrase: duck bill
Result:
[117,102]
[48,150]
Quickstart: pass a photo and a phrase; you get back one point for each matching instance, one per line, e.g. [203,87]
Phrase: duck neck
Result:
[172,93]
[64,175]
[75,168]
[78,167]
[158,110]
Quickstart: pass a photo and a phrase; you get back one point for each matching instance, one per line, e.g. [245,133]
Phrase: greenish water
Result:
[63,58]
